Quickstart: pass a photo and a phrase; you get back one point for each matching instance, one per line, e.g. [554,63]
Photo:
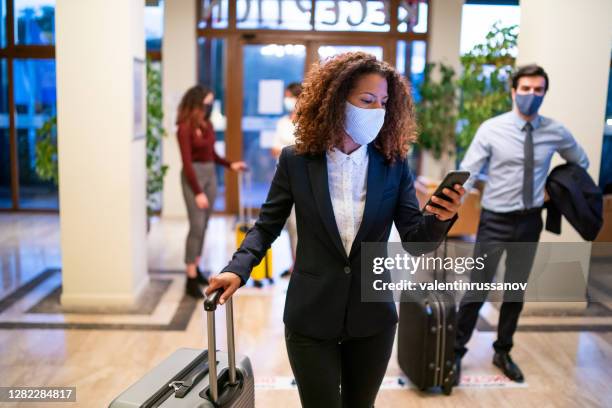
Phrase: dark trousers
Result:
[499,232]
[345,372]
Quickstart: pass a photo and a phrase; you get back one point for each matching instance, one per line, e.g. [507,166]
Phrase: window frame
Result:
[10,53]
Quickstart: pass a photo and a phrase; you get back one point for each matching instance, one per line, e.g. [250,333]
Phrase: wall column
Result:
[571,41]
[101,165]
[179,53]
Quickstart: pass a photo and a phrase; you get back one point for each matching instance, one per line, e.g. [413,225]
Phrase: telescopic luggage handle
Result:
[244,212]
[210,305]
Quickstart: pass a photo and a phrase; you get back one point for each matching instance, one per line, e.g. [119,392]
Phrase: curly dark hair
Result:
[321,106]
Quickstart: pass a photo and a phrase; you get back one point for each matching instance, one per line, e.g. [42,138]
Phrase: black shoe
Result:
[192,288]
[285,273]
[201,277]
[457,378]
[504,362]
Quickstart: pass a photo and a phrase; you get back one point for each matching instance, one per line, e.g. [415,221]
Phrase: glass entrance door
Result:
[267,70]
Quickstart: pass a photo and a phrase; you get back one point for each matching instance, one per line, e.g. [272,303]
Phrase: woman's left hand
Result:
[449,208]
[238,166]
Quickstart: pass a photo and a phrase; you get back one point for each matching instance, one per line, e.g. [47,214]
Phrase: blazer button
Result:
[347,269]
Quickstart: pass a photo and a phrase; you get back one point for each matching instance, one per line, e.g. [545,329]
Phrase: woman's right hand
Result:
[201,201]
[229,281]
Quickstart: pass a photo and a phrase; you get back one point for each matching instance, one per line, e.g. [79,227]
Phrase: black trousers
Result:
[499,232]
[345,372]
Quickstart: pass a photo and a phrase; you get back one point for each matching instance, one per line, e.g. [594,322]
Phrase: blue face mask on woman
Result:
[528,104]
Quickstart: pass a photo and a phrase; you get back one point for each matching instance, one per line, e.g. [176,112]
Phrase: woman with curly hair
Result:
[349,180]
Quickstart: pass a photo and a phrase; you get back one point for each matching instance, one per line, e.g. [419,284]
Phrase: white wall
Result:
[572,42]
[444,41]
[101,168]
[178,74]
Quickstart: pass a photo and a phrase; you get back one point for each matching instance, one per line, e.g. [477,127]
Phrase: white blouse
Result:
[347,176]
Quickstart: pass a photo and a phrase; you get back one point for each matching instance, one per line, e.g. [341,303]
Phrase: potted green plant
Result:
[156,170]
[436,114]
[46,151]
[484,82]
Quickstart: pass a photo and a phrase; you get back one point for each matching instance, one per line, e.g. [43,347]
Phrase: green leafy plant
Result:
[46,151]
[156,170]
[436,112]
[484,82]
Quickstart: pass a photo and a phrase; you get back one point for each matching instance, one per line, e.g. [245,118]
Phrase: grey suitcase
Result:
[196,378]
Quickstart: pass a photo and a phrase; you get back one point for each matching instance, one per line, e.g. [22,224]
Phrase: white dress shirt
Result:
[498,145]
[347,175]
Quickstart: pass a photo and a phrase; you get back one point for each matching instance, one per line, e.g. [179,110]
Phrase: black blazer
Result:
[574,194]
[324,294]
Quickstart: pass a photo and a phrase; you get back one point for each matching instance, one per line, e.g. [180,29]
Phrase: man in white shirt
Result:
[517,147]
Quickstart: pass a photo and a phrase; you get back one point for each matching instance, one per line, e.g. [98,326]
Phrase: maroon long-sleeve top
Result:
[197,145]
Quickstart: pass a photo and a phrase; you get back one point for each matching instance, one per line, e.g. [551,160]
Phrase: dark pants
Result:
[336,373]
[499,232]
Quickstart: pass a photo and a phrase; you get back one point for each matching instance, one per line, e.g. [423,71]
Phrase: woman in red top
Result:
[196,139]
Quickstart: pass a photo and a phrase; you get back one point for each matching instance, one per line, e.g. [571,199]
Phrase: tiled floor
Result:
[101,354]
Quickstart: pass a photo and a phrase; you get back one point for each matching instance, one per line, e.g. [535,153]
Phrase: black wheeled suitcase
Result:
[196,378]
[426,337]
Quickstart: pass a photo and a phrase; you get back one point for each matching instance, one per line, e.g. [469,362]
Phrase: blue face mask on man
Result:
[528,104]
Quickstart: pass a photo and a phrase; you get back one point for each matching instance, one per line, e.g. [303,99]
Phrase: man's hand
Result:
[449,208]
[229,281]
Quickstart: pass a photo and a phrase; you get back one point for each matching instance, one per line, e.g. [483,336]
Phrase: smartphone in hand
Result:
[452,178]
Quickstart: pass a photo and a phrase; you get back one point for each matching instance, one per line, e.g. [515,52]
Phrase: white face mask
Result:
[289,103]
[363,125]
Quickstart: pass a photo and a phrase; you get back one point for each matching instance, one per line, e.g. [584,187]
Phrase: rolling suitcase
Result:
[426,339]
[264,269]
[196,378]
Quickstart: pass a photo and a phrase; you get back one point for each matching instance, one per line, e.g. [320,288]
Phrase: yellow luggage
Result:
[264,269]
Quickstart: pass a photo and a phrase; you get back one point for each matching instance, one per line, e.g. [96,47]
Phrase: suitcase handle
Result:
[210,305]
[245,213]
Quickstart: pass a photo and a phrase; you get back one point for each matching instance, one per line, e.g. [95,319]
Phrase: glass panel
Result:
[5,158]
[411,60]
[326,51]
[274,14]
[605,172]
[34,22]
[268,69]
[412,54]
[412,16]
[5,169]
[35,103]
[477,20]
[211,52]
[348,15]
[213,14]
[154,26]
[2,24]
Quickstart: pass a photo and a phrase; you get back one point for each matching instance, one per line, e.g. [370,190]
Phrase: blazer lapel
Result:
[377,176]
[317,171]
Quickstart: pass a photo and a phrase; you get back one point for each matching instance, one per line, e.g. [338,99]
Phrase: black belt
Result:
[528,211]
